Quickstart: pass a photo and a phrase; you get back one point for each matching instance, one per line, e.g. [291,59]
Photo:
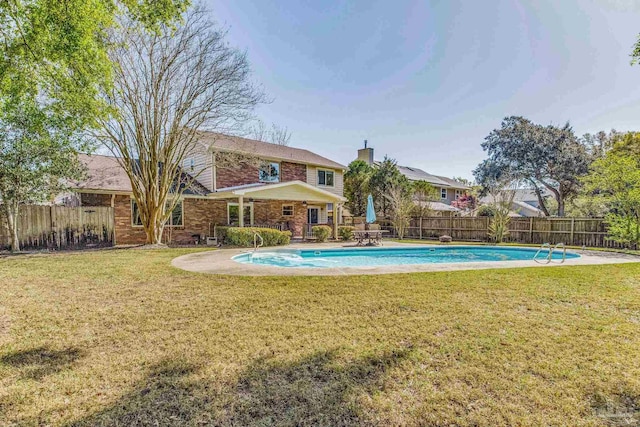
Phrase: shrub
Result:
[243,236]
[346,232]
[486,210]
[321,232]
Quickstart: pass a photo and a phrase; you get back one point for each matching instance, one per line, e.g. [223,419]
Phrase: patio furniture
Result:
[371,237]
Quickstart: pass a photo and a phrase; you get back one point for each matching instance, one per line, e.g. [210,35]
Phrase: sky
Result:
[426,81]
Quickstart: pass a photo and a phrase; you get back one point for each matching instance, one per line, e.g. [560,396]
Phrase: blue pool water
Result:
[372,257]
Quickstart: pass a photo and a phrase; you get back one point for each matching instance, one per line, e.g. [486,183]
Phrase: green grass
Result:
[122,338]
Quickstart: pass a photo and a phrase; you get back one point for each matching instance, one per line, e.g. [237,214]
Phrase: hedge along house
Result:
[271,185]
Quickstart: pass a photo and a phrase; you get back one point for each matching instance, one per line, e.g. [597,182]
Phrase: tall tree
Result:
[169,85]
[385,176]
[356,186]
[54,62]
[615,182]
[279,135]
[543,157]
[401,206]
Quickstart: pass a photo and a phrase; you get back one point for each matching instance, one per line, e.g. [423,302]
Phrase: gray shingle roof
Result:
[415,174]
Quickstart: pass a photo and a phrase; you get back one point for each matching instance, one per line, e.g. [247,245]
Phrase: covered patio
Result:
[293,205]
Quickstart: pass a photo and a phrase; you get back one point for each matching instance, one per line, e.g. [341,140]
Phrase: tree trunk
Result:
[11,212]
[560,206]
[154,229]
[543,207]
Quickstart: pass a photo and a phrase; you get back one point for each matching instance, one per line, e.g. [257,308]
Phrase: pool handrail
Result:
[548,259]
[564,250]
[257,236]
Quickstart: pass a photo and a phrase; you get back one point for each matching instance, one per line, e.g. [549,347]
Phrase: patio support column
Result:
[336,212]
[240,211]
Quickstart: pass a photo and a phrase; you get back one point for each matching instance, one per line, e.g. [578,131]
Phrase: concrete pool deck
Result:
[219,262]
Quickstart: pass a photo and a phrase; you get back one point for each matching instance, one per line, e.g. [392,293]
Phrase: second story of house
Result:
[221,162]
[448,189]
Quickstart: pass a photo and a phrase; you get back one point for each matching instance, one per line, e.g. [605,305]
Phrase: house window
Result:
[458,194]
[269,172]
[443,193]
[325,178]
[176,219]
[287,210]
[232,214]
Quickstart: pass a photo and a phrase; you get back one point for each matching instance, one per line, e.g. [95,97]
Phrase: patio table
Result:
[374,237]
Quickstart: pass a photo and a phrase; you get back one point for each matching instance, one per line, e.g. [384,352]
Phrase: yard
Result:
[120,337]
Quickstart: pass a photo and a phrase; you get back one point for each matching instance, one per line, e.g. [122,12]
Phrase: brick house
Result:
[272,185]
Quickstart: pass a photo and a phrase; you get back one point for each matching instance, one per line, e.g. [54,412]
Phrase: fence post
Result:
[450,224]
[573,222]
[531,230]
[420,233]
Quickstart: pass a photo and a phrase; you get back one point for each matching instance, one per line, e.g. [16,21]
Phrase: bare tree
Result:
[276,135]
[401,204]
[169,86]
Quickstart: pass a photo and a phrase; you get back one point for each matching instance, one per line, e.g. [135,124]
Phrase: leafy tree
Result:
[54,62]
[356,186]
[465,202]
[538,156]
[615,181]
[169,85]
[36,158]
[385,177]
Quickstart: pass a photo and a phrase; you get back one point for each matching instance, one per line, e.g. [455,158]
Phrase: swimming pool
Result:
[373,257]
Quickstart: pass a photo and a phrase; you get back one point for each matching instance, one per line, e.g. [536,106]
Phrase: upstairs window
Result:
[269,172]
[458,194]
[443,193]
[325,178]
[176,219]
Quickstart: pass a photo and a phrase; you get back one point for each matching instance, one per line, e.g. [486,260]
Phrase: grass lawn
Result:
[121,338]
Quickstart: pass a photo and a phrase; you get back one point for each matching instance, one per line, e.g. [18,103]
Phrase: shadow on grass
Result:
[316,390]
[39,362]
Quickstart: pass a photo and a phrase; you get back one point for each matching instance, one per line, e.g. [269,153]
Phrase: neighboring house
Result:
[448,189]
[525,203]
[275,186]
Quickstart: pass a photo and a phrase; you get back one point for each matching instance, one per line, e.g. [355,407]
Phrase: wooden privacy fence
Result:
[57,227]
[572,231]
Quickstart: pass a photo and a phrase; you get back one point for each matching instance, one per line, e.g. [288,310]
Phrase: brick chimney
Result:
[366,154]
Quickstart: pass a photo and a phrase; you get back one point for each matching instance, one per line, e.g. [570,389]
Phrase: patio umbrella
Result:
[371,212]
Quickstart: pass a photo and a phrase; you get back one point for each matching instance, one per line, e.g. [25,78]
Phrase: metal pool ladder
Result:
[551,249]
[256,237]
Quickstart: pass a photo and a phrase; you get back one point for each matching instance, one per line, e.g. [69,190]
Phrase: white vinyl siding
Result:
[338,182]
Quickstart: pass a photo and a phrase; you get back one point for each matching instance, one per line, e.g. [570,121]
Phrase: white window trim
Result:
[166,225]
[325,177]
[458,193]
[250,204]
[292,211]
[279,171]
[443,191]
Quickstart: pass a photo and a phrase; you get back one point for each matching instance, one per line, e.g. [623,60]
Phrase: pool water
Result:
[373,257]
